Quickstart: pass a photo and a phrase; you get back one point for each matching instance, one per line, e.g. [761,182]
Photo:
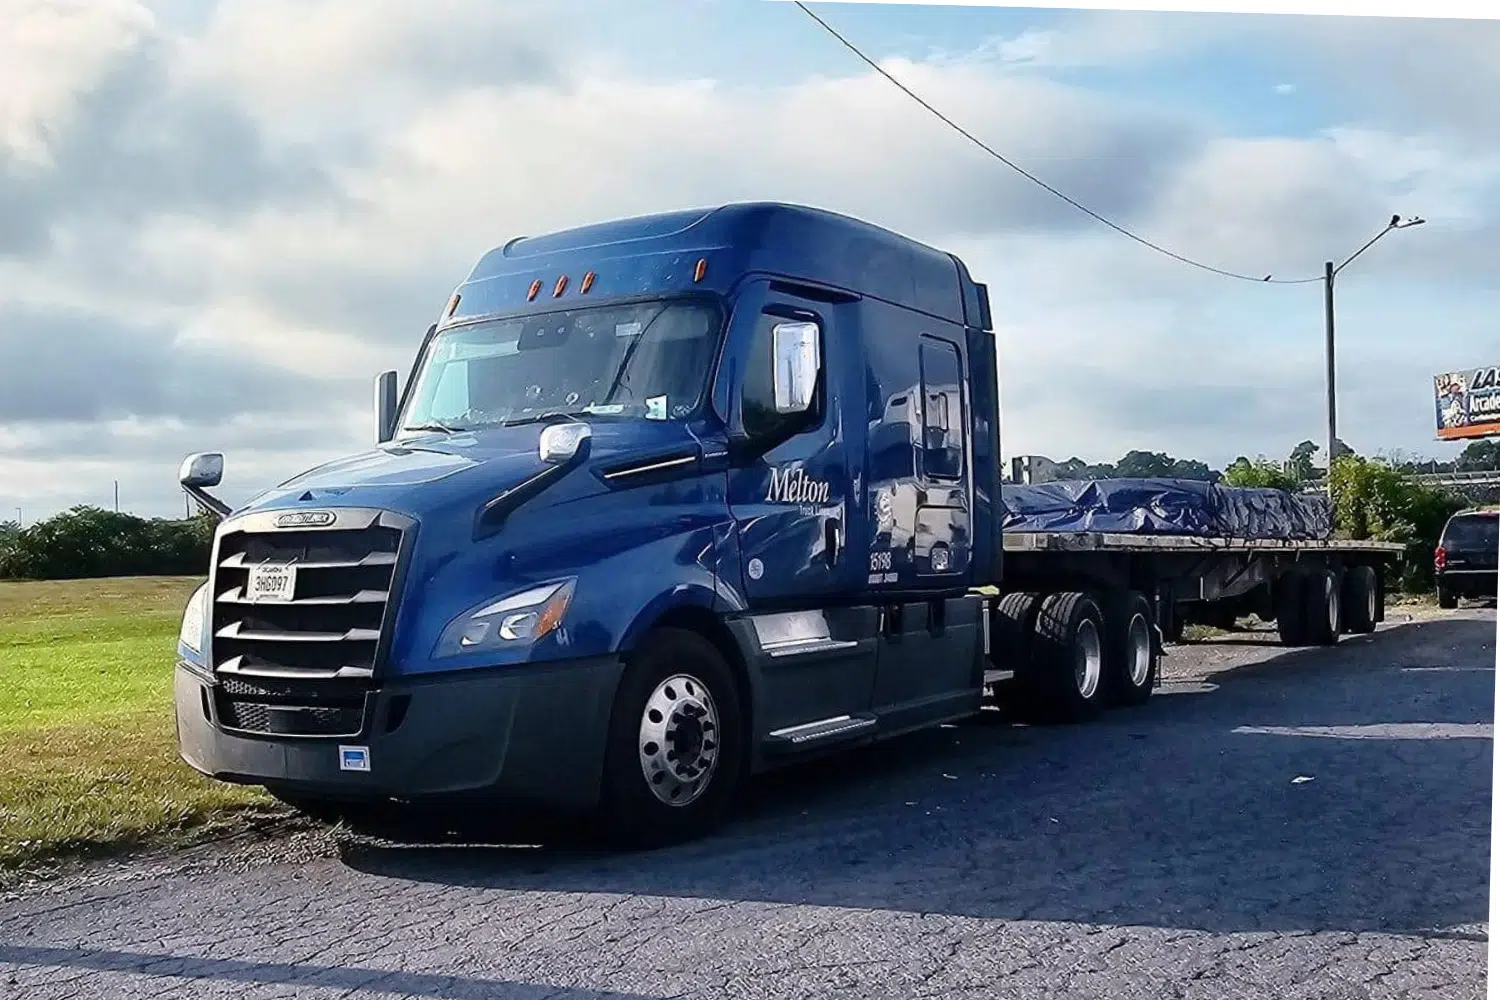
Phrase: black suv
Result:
[1468,556]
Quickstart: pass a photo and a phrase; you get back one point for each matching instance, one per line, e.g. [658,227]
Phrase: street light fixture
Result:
[1330,271]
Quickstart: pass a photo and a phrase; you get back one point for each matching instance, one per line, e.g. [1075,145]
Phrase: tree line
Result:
[90,542]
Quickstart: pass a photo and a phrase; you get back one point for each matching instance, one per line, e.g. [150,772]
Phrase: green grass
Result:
[88,755]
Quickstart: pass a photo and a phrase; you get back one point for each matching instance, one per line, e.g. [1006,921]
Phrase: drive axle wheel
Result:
[676,742]
[1132,659]
[1064,677]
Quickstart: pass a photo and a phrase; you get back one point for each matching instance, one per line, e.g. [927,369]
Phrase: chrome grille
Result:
[302,666]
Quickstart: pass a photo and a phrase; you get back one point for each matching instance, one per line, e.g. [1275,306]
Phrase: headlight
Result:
[193,616]
[511,621]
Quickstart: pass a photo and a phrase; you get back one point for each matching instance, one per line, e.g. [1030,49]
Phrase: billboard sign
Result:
[1468,403]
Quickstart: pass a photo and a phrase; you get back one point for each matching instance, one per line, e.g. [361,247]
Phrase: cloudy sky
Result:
[219,218]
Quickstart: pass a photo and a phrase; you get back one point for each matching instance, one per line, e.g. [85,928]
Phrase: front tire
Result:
[676,747]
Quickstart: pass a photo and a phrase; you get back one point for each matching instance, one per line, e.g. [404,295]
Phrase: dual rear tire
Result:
[1076,654]
[1314,607]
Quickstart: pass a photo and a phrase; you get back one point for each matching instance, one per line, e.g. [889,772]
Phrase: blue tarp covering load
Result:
[1166,507]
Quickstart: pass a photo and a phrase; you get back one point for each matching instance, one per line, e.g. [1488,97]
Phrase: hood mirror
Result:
[198,474]
[559,443]
[203,470]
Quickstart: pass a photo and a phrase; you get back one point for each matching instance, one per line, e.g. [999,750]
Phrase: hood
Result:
[420,473]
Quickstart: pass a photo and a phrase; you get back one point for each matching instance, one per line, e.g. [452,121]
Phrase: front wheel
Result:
[676,742]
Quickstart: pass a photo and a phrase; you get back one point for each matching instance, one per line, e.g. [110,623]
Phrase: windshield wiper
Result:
[435,425]
[549,415]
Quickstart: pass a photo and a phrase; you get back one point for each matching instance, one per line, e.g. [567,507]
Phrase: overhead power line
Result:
[1266,279]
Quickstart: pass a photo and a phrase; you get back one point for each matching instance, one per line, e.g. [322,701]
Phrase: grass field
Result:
[88,756]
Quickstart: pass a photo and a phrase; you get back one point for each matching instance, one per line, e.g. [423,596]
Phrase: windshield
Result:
[647,360]
[1473,532]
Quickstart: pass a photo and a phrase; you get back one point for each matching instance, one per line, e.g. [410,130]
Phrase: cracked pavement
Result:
[1278,824]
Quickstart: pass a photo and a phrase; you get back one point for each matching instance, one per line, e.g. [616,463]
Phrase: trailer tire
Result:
[1291,608]
[1064,677]
[1361,600]
[1132,657]
[1325,607]
[675,682]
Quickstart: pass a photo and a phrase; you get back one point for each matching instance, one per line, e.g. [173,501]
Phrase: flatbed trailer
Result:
[1315,590]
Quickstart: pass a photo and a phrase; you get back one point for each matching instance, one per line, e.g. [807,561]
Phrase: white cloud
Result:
[51,52]
[390,144]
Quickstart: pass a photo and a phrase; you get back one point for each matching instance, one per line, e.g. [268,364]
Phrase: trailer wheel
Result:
[675,751]
[1325,607]
[1131,656]
[1064,677]
[1361,600]
[1291,608]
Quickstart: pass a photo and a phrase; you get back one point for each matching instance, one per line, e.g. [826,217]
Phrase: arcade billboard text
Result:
[1468,403]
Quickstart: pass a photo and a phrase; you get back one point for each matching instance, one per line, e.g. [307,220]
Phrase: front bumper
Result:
[533,734]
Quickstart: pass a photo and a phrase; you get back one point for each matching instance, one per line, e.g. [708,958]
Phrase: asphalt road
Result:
[1306,824]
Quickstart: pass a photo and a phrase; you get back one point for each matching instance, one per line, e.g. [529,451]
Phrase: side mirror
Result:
[201,471]
[797,354]
[385,407]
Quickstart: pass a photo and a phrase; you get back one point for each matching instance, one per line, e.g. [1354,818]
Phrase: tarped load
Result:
[1166,507]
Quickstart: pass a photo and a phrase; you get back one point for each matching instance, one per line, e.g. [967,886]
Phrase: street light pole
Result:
[1333,426]
[1329,273]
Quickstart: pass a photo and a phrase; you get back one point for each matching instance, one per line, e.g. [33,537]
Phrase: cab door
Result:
[793,491]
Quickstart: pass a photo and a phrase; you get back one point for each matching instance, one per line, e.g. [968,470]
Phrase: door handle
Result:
[831,540]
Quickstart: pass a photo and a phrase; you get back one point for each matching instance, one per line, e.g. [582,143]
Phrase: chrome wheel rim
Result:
[1088,657]
[679,740]
[1139,640]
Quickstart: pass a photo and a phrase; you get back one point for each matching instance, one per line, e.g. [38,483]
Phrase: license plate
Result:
[271,584]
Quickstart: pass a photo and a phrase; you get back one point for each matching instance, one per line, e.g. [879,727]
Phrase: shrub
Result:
[1372,500]
[90,542]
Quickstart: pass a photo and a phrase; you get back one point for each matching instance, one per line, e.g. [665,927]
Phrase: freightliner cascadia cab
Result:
[664,501]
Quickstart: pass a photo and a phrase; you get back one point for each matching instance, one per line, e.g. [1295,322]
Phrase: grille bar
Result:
[302,666]
[241,561]
[237,630]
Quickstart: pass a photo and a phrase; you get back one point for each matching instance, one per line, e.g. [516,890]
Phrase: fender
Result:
[692,594]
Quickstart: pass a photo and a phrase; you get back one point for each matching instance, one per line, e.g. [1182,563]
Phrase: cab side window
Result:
[943,423]
[758,388]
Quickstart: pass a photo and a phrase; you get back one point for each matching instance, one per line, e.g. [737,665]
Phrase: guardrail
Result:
[1485,478]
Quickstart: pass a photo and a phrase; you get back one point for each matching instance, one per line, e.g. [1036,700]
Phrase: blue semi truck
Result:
[669,501]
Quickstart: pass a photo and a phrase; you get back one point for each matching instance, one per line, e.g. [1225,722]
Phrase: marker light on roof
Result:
[562,283]
[536,286]
[588,282]
[699,271]
[452,305]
